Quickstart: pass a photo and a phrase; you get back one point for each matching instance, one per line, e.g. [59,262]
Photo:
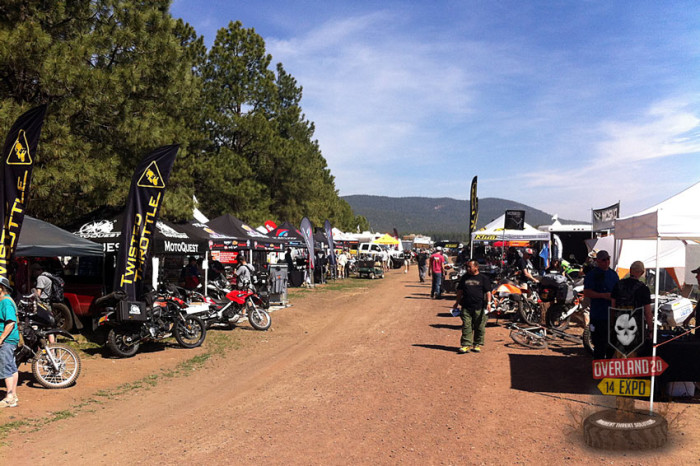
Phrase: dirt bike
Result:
[53,365]
[134,322]
[235,303]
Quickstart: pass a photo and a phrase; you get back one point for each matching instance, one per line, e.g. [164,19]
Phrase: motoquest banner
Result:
[329,238]
[473,208]
[515,220]
[604,219]
[140,216]
[307,232]
[19,153]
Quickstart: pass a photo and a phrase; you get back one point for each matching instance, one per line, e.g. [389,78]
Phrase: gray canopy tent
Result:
[41,239]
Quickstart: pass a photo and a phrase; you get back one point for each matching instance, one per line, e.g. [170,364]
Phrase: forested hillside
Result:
[122,77]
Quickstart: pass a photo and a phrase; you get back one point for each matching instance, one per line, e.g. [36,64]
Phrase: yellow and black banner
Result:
[140,216]
[19,154]
[473,209]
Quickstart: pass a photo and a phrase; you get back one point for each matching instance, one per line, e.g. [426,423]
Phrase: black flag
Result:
[515,220]
[142,209]
[307,231]
[329,238]
[473,209]
[19,153]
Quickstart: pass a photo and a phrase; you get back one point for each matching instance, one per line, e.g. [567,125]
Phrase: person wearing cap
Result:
[631,293]
[525,268]
[9,339]
[189,276]
[436,269]
[597,286]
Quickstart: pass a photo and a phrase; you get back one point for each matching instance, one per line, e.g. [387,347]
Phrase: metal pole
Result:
[656,322]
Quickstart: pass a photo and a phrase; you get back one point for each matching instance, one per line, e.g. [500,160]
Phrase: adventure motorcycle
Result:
[235,303]
[53,365]
[134,322]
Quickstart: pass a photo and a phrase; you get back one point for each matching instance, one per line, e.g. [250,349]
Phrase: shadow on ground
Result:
[551,374]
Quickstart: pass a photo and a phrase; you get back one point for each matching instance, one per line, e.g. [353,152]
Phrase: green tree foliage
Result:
[117,76]
[123,77]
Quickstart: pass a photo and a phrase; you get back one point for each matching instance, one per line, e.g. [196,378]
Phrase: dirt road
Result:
[364,375]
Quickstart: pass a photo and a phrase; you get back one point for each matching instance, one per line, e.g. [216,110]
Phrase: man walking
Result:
[422,260]
[436,269]
[473,294]
[597,286]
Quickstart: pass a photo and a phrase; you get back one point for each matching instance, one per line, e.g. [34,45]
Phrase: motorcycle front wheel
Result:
[554,317]
[121,343]
[190,332]
[259,318]
[66,371]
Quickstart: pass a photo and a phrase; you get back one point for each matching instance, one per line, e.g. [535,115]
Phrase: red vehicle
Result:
[232,307]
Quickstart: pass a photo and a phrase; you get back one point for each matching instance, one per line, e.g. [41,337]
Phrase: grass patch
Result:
[216,344]
[333,285]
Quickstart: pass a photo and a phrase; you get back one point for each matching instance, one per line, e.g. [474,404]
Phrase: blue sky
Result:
[562,105]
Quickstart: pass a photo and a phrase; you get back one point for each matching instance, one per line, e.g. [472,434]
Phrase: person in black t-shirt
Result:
[473,294]
[631,293]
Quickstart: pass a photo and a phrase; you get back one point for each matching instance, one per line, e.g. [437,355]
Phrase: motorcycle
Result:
[53,365]
[134,322]
[566,301]
[234,304]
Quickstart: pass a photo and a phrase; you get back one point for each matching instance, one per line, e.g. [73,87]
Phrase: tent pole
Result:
[656,322]
[206,273]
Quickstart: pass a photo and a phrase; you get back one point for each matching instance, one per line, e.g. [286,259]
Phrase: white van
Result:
[368,249]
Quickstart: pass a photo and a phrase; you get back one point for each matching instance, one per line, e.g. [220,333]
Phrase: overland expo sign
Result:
[625,387]
[631,367]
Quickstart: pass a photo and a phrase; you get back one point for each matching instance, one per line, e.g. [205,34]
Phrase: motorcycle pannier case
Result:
[553,286]
[134,311]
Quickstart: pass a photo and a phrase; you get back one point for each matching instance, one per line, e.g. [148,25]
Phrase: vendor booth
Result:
[495,231]
[675,220]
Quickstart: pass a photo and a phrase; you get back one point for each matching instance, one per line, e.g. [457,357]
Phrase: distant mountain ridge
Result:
[444,214]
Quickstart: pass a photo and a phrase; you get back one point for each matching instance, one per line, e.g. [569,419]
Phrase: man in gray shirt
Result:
[42,289]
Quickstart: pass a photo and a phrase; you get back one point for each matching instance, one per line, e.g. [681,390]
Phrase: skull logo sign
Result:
[626,329]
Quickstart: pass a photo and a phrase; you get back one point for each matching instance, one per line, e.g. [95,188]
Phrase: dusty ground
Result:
[364,375]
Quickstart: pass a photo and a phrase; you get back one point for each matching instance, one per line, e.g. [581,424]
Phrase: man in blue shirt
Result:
[597,286]
[9,339]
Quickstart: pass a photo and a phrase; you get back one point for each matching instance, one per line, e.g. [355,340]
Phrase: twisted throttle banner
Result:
[142,209]
[19,153]
[473,208]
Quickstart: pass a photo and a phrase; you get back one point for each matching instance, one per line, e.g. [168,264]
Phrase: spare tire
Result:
[642,431]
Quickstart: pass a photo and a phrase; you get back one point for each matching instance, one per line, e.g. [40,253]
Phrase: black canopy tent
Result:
[288,232]
[41,239]
[246,236]
[169,239]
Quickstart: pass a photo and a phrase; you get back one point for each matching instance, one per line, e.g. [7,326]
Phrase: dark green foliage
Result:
[123,77]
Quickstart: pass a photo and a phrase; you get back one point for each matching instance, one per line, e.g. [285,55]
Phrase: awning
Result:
[41,239]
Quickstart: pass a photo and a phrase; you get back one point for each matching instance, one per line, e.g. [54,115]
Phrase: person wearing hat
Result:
[42,288]
[597,286]
[525,268]
[9,339]
[436,269]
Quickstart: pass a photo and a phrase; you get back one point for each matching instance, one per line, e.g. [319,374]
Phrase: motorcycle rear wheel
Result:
[65,375]
[120,344]
[190,332]
[259,318]
[530,312]
[63,316]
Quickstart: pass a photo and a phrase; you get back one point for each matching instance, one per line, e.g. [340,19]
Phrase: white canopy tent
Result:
[675,219]
[495,231]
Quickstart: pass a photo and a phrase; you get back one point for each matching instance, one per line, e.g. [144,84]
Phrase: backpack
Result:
[57,288]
